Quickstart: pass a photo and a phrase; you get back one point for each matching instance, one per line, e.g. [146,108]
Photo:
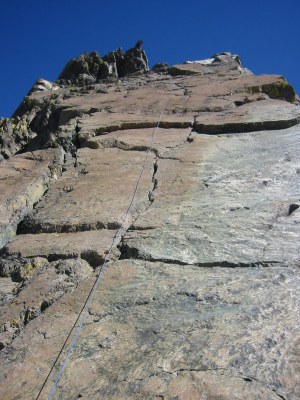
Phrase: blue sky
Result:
[37,38]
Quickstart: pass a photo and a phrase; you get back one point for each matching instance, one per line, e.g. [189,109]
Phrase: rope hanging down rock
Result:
[85,308]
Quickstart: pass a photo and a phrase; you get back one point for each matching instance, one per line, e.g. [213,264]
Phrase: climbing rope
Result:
[85,308]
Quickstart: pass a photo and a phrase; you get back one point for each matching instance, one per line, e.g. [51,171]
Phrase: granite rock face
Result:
[199,298]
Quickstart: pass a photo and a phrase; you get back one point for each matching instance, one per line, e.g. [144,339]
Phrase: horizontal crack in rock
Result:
[128,252]
[28,226]
[203,369]
[240,127]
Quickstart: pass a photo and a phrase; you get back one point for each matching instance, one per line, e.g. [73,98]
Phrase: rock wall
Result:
[199,299]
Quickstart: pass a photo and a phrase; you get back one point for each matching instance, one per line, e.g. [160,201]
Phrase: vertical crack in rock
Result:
[270,227]
[154,181]
[73,144]
[151,199]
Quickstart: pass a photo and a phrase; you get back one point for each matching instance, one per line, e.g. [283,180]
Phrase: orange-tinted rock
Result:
[102,122]
[95,194]
[167,330]
[254,116]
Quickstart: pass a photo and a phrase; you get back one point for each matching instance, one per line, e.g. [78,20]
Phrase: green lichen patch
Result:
[31,102]
[280,90]
[31,266]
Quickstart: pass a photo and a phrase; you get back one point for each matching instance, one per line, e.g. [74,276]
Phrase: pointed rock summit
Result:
[90,67]
[185,181]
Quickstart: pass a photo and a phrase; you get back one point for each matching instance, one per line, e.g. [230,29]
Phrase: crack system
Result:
[131,253]
[127,253]
[271,225]
[84,227]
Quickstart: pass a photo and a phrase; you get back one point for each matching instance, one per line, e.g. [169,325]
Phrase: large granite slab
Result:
[230,199]
[95,194]
[254,116]
[167,331]
[101,122]
[89,245]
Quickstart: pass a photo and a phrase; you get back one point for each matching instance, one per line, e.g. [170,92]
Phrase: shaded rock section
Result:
[23,181]
[85,69]
[15,133]
[131,61]
[89,67]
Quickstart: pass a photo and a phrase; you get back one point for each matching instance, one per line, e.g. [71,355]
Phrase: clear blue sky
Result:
[37,38]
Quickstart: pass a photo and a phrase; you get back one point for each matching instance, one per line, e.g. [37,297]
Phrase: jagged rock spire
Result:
[90,67]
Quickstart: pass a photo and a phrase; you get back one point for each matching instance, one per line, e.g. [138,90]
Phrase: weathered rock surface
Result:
[267,114]
[227,198]
[90,68]
[23,181]
[165,331]
[14,135]
[102,122]
[140,139]
[49,282]
[95,195]
[88,245]
[199,299]
[42,85]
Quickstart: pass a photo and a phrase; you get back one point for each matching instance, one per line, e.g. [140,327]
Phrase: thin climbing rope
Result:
[85,308]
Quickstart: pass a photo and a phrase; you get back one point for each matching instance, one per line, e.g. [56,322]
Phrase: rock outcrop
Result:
[90,68]
[199,297]
[42,85]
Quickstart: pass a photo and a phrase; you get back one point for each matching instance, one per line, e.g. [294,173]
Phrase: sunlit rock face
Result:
[200,295]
